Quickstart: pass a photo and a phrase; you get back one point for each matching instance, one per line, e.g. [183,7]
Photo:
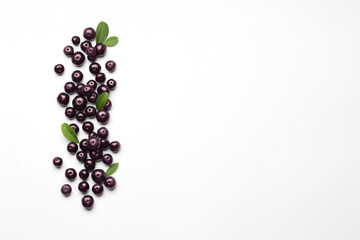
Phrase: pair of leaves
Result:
[112,169]
[69,133]
[101,100]
[102,32]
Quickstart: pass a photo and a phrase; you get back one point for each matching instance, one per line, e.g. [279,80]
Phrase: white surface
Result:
[238,120]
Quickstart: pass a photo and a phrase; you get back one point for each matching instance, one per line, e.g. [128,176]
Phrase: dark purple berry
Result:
[80,116]
[89,33]
[68,51]
[110,66]
[91,51]
[83,187]
[93,97]
[107,159]
[104,144]
[84,145]
[100,49]
[70,112]
[84,45]
[103,88]
[96,154]
[77,76]
[108,105]
[88,127]
[100,77]
[115,146]
[59,69]
[97,189]
[87,201]
[79,88]
[111,83]
[92,84]
[66,190]
[69,87]
[70,173]
[98,175]
[75,40]
[94,67]
[63,99]
[103,132]
[81,156]
[90,112]
[75,127]
[110,182]
[79,103]
[93,144]
[87,90]
[57,161]
[89,164]
[83,174]
[92,59]
[103,116]
[78,58]
[92,135]
[72,148]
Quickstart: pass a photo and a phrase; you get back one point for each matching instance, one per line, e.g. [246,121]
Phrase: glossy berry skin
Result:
[103,132]
[91,51]
[110,182]
[75,127]
[90,111]
[78,58]
[81,156]
[87,90]
[110,66]
[72,148]
[66,190]
[107,159]
[98,175]
[75,40]
[111,83]
[92,135]
[92,84]
[83,187]
[93,97]
[63,99]
[84,145]
[92,59]
[85,45]
[103,116]
[79,103]
[68,51]
[88,127]
[57,161]
[83,174]
[87,201]
[96,154]
[115,146]
[108,105]
[104,144]
[69,87]
[70,173]
[94,67]
[70,112]
[77,76]
[89,164]
[93,144]
[97,189]
[89,33]
[59,69]
[100,77]
[100,49]
[103,88]
[80,116]
[79,88]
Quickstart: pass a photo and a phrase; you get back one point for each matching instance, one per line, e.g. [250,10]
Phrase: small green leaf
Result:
[102,32]
[112,169]
[69,133]
[101,100]
[111,41]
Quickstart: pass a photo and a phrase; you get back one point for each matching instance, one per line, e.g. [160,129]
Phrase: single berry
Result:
[80,116]
[69,87]
[92,135]
[111,83]
[94,67]
[93,144]
[98,175]
[75,40]
[103,88]
[87,201]
[87,90]
[66,190]
[115,146]
[88,127]
[84,145]
[83,174]
[110,182]
[59,69]
[103,116]
[79,103]
[92,59]
[108,105]
[110,66]
[68,51]
[57,161]
[83,187]
[70,112]
[70,173]
[85,45]
[90,111]
[96,154]
[78,58]
[93,97]
[72,148]
[75,127]
[89,164]
[92,84]
[89,33]
[97,189]
[100,77]
[79,88]
[100,49]
[63,99]
[104,144]
[91,51]
[103,132]
[81,156]
[77,76]
[107,159]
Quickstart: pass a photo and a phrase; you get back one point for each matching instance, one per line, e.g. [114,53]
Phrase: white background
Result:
[237,119]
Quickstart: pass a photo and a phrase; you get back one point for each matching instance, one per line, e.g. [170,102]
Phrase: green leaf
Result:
[112,169]
[111,41]
[69,133]
[101,100]
[102,32]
